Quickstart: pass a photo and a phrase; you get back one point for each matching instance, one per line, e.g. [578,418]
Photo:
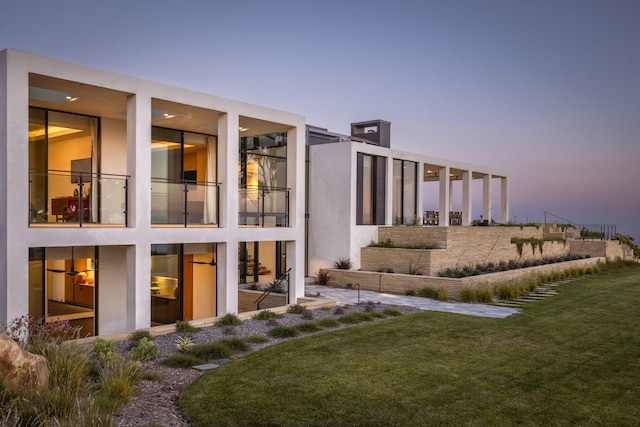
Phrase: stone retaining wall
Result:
[400,283]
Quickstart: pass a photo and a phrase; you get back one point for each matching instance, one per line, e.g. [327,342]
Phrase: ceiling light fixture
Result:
[48,95]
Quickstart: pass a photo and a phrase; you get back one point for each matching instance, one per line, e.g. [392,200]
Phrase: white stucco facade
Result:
[333,197]
[126,110]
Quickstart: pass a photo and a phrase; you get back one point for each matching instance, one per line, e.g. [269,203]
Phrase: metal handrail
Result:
[271,288]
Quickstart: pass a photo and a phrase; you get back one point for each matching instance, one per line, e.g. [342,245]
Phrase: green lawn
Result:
[573,359]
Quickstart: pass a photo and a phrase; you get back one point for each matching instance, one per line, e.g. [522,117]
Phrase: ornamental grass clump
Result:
[185,327]
[328,322]
[267,314]
[229,319]
[283,332]
[182,361]
[210,351]
[308,327]
[296,309]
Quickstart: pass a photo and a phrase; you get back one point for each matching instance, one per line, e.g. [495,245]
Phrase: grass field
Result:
[573,359]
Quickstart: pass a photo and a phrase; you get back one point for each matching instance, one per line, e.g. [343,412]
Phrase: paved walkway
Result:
[350,296]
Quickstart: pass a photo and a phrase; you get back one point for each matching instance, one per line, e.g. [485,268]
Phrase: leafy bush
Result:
[105,351]
[229,319]
[183,326]
[296,309]
[323,278]
[136,336]
[267,314]
[343,264]
[283,332]
[328,323]
[338,311]
[183,344]
[307,315]
[182,361]
[308,327]
[145,350]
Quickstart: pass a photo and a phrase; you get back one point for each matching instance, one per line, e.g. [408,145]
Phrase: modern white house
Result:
[357,182]
[129,203]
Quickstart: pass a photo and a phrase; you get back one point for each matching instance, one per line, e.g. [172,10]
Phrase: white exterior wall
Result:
[125,305]
[333,232]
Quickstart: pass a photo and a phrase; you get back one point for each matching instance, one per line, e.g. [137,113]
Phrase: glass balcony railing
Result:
[263,206]
[72,198]
[186,203]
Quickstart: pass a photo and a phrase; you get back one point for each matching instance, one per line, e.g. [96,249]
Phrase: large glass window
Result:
[62,283]
[404,191]
[370,189]
[262,278]
[262,178]
[63,160]
[183,170]
[183,282]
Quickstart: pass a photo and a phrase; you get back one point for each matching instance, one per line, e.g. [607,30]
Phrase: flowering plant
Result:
[32,331]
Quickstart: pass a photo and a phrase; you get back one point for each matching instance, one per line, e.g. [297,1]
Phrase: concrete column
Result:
[444,195]
[486,197]
[14,189]
[228,146]
[138,160]
[467,193]
[504,200]
[420,191]
[227,279]
[295,261]
[388,210]
[450,194]
[138,257]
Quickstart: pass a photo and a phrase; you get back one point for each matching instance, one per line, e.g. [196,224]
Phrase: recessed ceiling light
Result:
[48,95]
[242,129]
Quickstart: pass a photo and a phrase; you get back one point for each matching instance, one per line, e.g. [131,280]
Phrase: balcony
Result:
[184,203]
[263,206]
[73,199]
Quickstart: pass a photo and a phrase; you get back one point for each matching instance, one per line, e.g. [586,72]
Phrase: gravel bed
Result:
[156,401]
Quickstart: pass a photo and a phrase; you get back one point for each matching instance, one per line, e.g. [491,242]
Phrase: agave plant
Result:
[183,343]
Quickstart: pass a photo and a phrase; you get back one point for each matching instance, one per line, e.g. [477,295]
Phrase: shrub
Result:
[183,344]
[343,264]
[136,336]
[350,319]
[338,311]
[267,314]
[183,326]
[229,319]
[443,295]
[308,327]
[391,312]
[256,339]
[104,351]
[283,332]
[329,323]
[236,344]
[323,278]
[209,351]
[307,315]
[410,292]
[296,309]
[34,333]
[182,361]
[145,350]
[468,295]
[117,382]
[484,294]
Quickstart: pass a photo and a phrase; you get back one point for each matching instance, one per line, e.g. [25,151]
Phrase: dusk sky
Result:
[547,90]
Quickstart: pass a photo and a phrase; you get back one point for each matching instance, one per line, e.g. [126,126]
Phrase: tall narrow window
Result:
[404,190]
[370,189]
